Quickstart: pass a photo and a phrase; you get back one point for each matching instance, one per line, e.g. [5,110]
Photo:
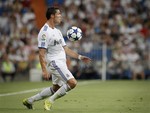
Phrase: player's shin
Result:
[60,93]
[43,94]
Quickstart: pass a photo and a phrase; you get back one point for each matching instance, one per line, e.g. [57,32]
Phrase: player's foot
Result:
[27,104]
[47,105]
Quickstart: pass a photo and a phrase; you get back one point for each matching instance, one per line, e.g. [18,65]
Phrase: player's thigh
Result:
[57,80]
[61,72]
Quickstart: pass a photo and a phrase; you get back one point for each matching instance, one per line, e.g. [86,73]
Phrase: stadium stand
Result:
[123,25]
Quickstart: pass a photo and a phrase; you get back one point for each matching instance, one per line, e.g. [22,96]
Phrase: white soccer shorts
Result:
[60,73]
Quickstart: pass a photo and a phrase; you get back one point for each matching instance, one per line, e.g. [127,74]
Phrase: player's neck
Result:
[51,24]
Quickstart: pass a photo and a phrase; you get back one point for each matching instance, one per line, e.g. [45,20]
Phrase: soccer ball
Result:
[74,33]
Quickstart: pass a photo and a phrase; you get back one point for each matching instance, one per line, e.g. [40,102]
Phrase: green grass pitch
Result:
[88,97]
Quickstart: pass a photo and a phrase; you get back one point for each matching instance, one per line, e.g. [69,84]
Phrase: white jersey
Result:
[53,41]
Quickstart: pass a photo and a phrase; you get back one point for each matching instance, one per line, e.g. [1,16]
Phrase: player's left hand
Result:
[85,59]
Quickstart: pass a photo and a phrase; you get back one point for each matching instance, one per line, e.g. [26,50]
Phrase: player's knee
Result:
[72,83]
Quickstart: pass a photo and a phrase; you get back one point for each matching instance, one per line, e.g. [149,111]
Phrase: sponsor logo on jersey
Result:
[56,42]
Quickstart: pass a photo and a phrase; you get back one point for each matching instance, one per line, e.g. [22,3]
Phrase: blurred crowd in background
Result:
[122,25]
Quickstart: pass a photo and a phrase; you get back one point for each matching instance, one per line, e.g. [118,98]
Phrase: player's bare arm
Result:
[43,63]
[76,55]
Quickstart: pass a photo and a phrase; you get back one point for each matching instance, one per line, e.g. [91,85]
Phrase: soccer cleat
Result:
[47,105]
[27,104]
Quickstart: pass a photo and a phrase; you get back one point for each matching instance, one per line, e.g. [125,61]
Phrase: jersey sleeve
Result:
[43,40]
[63,42]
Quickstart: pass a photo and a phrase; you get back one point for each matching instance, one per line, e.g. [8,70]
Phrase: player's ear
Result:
[52,16]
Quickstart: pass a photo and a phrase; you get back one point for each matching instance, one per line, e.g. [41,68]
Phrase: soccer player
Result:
[52,55]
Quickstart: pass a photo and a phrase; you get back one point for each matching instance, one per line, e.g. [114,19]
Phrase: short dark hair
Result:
[51,11]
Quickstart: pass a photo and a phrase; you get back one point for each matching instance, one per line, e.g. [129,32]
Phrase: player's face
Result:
[58,17]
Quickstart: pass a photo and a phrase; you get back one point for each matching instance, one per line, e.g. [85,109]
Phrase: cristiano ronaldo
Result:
[52,56]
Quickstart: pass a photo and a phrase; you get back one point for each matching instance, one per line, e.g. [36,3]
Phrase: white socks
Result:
[43,94]
[50,92]
[60,92]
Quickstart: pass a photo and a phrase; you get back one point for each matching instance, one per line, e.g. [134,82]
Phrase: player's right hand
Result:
[46,75]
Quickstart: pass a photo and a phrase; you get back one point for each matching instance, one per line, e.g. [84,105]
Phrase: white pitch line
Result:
[20,92]
[38,89]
